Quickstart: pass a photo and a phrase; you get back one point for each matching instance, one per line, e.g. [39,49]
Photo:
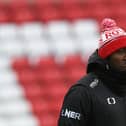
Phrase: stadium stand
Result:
[44,47]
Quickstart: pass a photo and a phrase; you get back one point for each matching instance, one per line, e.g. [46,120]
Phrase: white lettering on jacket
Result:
[111,100]
[70,114]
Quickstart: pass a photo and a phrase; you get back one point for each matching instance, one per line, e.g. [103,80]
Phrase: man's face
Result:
[118,59]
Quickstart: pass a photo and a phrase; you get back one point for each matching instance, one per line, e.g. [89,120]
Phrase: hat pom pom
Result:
[108,24]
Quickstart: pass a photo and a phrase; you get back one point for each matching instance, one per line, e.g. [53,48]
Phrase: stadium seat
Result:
[64,47]
[12,49]
[51,76]
[70,4]
[39,106]
[73,14]
[46,63]
[3,122]
[85,28]
[117,2]
[15,108]
[99,15]
[49,14]
[4,17]
[8,31]
[121,22]
[24,121]
[57,30]
[18,4]
[27,77]
[84,45]
[75,74]
[3,4]
[30,31]
[35,49]
[44,47]
[32,91]
[57,90]
[23,15]
[11,92]
[119,12]
[47,120]
[73,61]
[42,4]
[7,77]
[20,64]
[5,63]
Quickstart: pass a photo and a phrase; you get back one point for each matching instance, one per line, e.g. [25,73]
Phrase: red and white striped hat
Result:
[112,38]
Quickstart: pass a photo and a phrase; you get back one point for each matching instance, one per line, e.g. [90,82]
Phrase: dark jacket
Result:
[98,99]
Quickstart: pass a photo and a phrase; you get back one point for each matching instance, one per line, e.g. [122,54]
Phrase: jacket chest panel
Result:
[109,109]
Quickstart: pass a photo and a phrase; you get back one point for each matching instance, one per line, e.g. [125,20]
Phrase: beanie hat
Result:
[112,38]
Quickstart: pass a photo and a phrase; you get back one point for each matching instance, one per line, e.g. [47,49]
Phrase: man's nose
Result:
[124,56]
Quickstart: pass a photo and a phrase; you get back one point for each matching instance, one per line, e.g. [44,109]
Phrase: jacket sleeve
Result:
[75,110]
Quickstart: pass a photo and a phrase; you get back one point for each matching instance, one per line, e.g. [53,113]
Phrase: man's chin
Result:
[123,70]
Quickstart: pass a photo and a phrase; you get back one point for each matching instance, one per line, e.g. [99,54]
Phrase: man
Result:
[99,98]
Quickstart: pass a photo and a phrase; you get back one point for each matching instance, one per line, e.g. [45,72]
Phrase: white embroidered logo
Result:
[111,100]
[94,83]
[70,114]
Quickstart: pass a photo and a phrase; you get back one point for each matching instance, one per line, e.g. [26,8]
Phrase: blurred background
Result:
[44,48]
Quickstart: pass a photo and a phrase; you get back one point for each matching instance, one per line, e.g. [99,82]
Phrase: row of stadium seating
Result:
[35,39]
[44,47]
[38,64]
[44,11]
[52,2]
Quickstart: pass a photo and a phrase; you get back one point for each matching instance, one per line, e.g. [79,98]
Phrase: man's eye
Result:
[121,51]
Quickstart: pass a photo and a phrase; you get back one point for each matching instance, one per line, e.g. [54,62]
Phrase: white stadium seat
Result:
[29,31]
[57,30]
[88,45]
[15,108]
[85,28]
[64,47]
[8,31]
[7,78]
[12,49]
[24,121]
[37,48]
[5,63]
[11,92]
[4,122]
[34,41]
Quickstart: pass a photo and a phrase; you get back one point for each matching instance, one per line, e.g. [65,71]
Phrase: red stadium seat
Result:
[70,3]
[49,14]
[119,12]
[117,2]
[16,4]
[53,107]
[51,76]
[45,63]
[121,22]
[41,4]
[3,4]
[20,64]
[75,13]
[57,91]
[48,119]
[75,74]
[4,17]
[40,106]
[46,82]
[32,91]
[27,77]
[23,15]
[99,15]
[73,61]
[95,2]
